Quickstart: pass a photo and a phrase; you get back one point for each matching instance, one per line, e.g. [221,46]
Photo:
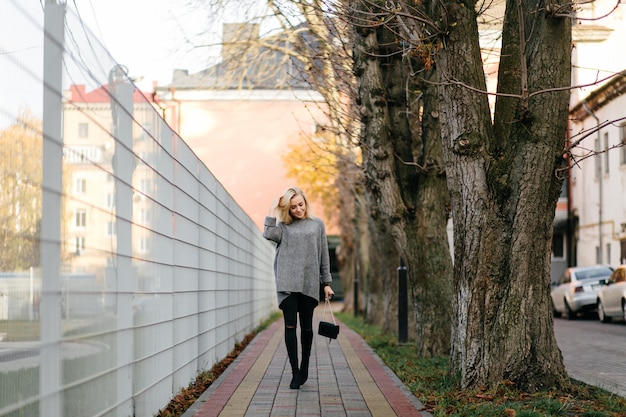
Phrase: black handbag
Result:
[326,328]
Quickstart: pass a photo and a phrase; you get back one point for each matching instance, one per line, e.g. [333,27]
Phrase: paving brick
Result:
[346,378]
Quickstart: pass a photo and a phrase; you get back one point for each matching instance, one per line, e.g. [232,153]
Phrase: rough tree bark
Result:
[380,293]
[504,190]
[405,179]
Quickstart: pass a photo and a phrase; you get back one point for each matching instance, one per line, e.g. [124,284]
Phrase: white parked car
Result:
[577,289]
[612,297]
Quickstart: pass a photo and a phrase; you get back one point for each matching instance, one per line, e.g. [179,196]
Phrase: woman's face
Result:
[297,207]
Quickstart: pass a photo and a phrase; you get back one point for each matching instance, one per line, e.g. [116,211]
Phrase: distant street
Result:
[593,352]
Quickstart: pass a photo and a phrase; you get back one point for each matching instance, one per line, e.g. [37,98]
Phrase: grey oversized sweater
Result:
[302,261]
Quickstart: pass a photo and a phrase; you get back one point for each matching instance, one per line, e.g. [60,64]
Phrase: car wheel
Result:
[601,315]
[569,314]
[624,309]
[555,312]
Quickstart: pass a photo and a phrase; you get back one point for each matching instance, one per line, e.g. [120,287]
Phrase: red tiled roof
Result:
[78,94]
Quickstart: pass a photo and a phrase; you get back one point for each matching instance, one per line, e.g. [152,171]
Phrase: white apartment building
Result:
[89,226]
[598,123]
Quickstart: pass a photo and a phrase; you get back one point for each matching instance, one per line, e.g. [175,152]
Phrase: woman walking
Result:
[301,264]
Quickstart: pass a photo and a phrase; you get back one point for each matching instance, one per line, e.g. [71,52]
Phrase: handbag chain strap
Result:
[327,304]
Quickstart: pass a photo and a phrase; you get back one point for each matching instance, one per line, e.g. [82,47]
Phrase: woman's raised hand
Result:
[274,208]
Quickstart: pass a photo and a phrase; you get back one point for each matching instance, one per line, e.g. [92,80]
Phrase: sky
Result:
[147,36]
[154,37]
[151,38]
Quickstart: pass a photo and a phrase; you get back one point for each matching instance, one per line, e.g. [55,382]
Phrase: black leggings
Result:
[298,303]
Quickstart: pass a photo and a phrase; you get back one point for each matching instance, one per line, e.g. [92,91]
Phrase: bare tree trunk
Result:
[430,263]
[352,252]
[504,192]
[381,296]
[346,250]
[405,181]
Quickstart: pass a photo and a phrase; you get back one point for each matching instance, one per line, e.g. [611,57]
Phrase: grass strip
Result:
[431,383]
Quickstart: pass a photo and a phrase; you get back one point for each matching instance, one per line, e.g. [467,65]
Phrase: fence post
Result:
[121,91]
[50,372]
[403,304]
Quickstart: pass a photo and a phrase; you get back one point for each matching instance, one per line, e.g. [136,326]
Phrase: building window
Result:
[145,186]
[558,246]
[83,130]
[606,153]
[598,158]
[608,253]
[144,216]
[564,185]
[109,203]
[111,229]
[622,130]
[144,245]
[80,185]
[80,245]
[81,218]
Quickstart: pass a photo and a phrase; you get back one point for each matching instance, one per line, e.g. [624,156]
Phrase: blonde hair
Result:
[285,201]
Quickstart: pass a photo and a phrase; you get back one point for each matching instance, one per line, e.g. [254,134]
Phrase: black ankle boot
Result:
[306,338]
[304,373]
[292,352]
[295,380]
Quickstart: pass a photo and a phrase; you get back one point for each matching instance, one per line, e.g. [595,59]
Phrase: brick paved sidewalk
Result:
[346,378]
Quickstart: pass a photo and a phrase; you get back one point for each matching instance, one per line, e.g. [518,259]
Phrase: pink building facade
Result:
[242,135]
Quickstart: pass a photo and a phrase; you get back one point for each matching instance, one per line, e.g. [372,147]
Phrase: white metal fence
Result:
[139,268]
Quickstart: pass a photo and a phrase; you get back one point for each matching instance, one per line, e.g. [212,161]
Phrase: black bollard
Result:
[403,304]
[356,288]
